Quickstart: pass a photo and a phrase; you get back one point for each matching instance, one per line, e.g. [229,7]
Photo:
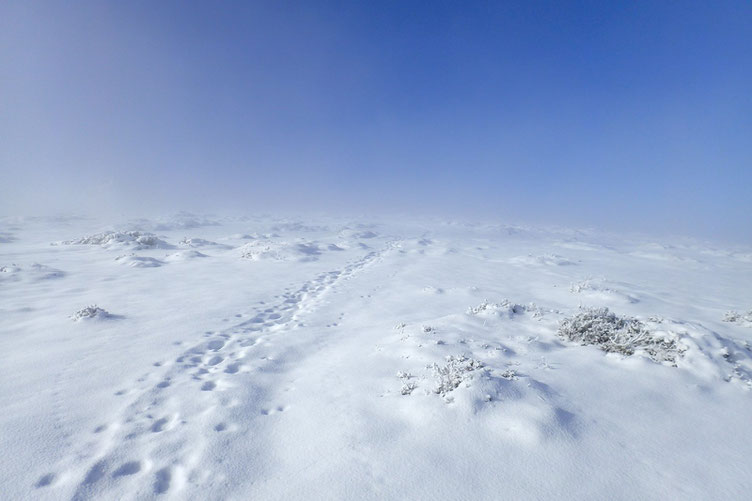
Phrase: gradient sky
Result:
[633,115]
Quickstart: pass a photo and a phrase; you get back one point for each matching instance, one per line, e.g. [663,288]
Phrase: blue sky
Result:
[625,115]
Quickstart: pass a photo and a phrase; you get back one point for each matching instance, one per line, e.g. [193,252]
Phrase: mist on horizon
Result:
[633,117]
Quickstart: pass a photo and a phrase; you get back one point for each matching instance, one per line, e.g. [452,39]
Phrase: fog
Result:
[633,118]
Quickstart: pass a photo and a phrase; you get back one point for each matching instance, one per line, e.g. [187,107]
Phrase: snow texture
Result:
[279,358]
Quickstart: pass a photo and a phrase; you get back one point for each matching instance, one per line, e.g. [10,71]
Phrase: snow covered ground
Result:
[199,357]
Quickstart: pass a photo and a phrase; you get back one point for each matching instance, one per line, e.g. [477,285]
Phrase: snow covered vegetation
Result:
[615,334]
[283,358]
[451,375]
[739,318]
[91,312]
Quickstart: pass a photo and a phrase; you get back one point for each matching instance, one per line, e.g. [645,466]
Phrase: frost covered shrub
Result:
[453,373]
[615,334]
[92,311]
[736,317]
[407,385]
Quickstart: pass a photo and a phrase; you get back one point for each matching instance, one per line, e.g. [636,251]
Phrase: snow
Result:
[322,358]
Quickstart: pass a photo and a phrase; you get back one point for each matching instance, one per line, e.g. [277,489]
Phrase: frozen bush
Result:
[92,311]
[453,373]
[614,334]
[407,385]
[740,318]
[407,388]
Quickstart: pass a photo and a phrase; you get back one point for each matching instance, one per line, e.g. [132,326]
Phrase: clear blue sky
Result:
[634,115]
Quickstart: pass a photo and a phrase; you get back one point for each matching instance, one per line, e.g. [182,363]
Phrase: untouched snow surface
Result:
[206,358]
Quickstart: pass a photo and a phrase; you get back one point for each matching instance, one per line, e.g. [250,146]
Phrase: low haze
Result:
[634,116]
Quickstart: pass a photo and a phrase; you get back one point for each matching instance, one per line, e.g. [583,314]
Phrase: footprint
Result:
[279,408]
[45,480]
[95,473]
[220,427]
[208,386]
[129,468]
[162,482]
[159,425]
[215,360]
[216,345]
[232,368]
[163,384]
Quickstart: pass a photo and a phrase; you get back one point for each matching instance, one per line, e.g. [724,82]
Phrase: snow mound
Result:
[298,226]
[135,261]
[663,256]
[596,289]
[200,242]
[44,272]
[185,255]
[505,308]
[615,334]
[357,234]
[180,221]
[544,260]
[253,236]
[281,251]
[92,312]
[136,239]
[34,272]
[579,245]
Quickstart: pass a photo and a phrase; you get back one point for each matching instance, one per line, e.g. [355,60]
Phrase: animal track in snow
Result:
[162,481]
[149,423]
[129,468]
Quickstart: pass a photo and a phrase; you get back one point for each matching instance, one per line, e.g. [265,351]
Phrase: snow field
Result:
[201,357]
